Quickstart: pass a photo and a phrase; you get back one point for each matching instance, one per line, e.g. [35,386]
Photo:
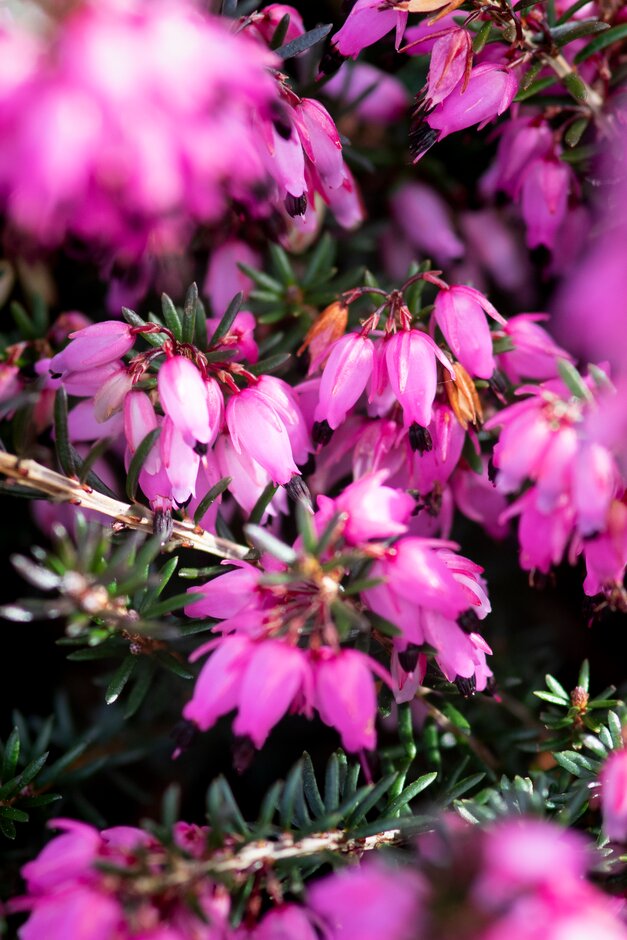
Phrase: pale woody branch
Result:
[30,475]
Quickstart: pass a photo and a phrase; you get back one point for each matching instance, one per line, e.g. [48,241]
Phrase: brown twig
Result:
[30,475]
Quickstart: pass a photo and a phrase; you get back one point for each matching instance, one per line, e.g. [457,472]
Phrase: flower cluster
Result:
[574,504]
[256,437]
[281,647]
[511,880]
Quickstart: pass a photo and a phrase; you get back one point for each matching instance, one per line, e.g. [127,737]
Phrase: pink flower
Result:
[286,922]
[248,478]
[240,335]
[224,279]
[265,22]
[425,220]
[450,63]
[344,378]
[459,312]
[127,97]
[225,596]
[193,405]
[179,461]
[410,358]
[373,511]
[139,420]
[606,553]
[260,679]
[368,902]
[258,430]
[489,92]
[614,796]
[434,467]
[345,696]
[544,200]
[94,346]
[365,24]
[535,353]
[373,95]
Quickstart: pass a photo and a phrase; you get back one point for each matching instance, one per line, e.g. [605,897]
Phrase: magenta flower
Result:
[139,420]
[535,352]
[450,64]
[248,478]
[434,467]
[365,24]
[232,594]
[614,796]
[489,92]
[179,461]
[240,335]
[373,95]
[94,346]
[410,358]
[261,679]
[285,922]
[127,97]
[224,279]
[265,21]
[459,312]
[258,430]
[344,378]
[606,553]
[368,902]
[544,200]
[193,405]
[345,696]
[373,511]
[425,220]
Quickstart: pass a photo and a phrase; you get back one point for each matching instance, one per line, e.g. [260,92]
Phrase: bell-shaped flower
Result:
[535,352]
[94,346]
[224,279]
[373,95]
[226,595]
[259,678]
[179,461]
[192,404]
[425,219]
[365,24]
[345,696]
[258,430]
[345,377]
[436,465]
[248,478]
[544,200]
[489,92]
[139,420]
[459,312]
[373,511]
[451,59]
[606,554]
[410,358]
[320,140]
[282,398]
[595,479]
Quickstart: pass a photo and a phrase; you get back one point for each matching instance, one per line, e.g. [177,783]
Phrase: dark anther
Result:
[243,752]
[200,449]
[421,138]
[183,735]
[409,658]
[498,384]
[468,621]
[55,375]
[185,502]
[163,524]
[322,432]
[466,687]
[298,490]
[492,471]
[491,688]
[295,205]
[420,439]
